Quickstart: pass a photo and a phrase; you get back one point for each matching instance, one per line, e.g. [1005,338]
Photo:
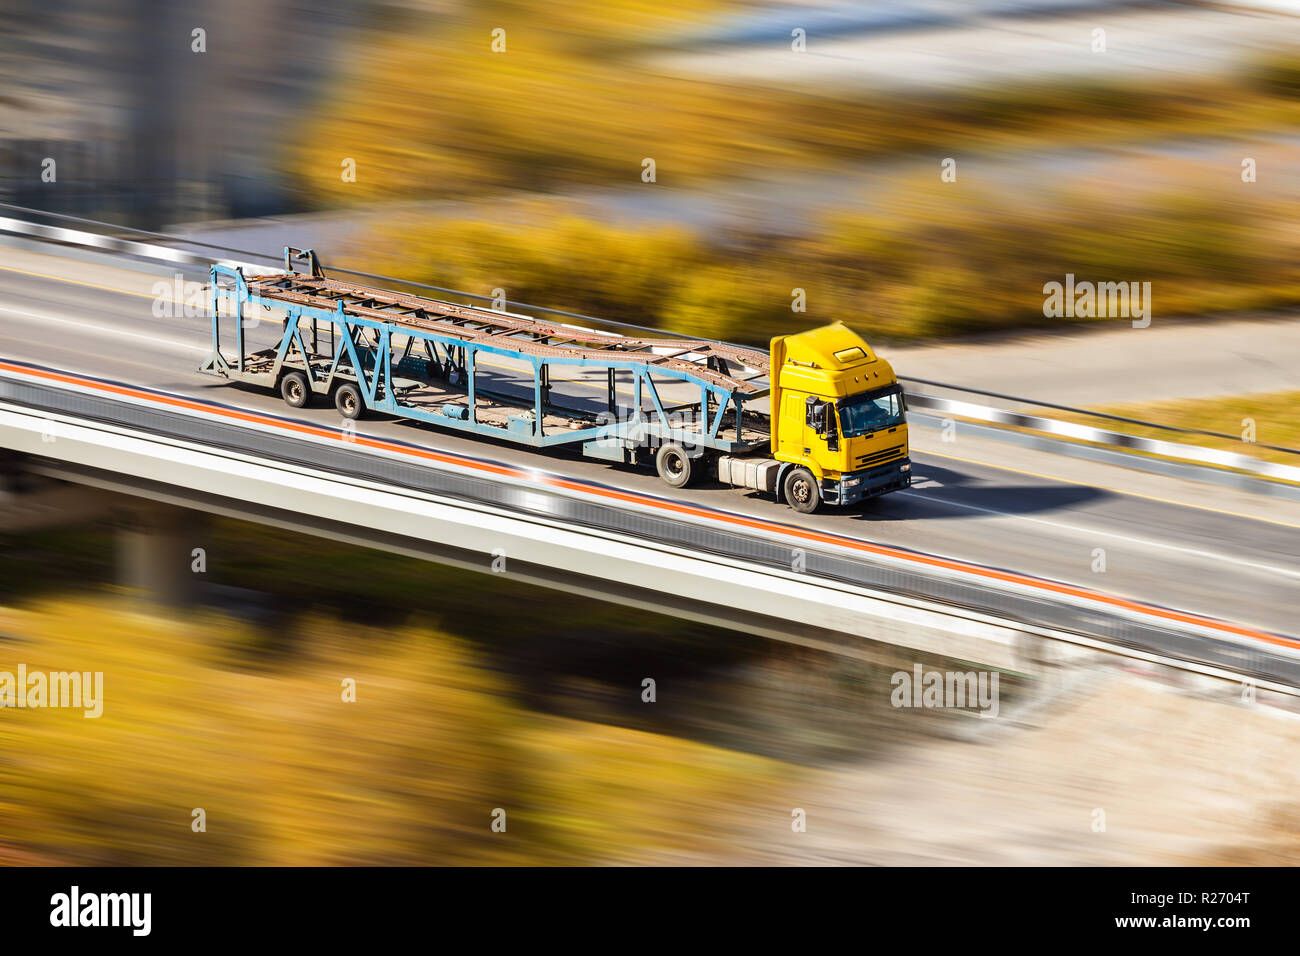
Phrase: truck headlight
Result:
[906,466]
[852,482]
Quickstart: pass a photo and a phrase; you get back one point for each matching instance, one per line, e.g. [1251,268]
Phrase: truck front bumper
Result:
[856,486]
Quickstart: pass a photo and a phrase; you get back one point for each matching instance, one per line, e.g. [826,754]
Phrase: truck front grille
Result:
[880,457]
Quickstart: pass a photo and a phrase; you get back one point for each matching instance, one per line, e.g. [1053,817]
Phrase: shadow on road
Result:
[939,492]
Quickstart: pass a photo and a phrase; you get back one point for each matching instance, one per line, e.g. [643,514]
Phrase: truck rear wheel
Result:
[347,399]
[801,491]
[675,467]
[295,390]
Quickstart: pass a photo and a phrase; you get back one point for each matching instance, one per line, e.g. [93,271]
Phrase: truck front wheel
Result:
[801,491]
[675,467]
[347,399]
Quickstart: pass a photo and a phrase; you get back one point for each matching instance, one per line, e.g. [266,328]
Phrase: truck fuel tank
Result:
[757,473]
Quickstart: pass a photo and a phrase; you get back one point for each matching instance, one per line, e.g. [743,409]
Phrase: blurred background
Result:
[477,169]
[670,164]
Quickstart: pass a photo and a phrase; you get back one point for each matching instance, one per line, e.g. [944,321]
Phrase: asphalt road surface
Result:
[98,319]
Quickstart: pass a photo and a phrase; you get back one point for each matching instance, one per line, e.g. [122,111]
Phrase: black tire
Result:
[675,467]
[347,399]
[801,491]
[295,390]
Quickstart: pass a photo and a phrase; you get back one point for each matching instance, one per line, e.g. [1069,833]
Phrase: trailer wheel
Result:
[347,399]
[675,467]
[295,390]
[801,491]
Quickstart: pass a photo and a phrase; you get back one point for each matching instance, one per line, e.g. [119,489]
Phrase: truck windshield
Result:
[871,411]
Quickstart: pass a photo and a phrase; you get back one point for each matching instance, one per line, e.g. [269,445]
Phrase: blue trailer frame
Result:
[441,342]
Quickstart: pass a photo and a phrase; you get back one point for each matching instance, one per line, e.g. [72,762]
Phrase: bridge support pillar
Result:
[156,553]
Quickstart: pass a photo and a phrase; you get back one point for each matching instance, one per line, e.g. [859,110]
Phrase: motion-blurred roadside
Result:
[917,169]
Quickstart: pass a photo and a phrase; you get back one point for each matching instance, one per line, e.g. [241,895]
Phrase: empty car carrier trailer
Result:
[520,379]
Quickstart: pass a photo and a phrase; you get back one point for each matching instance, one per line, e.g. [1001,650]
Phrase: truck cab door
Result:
[794,441]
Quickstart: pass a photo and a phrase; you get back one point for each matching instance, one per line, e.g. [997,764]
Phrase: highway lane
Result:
[98,320]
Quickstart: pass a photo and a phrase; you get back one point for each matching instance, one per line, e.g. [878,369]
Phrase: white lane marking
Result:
[1272,569]
[156,340]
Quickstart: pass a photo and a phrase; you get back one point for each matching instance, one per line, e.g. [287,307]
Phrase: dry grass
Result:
[290,774]
[951,263]
[428,110]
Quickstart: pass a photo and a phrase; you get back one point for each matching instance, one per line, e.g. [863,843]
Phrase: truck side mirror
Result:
[820,419]
[815,415]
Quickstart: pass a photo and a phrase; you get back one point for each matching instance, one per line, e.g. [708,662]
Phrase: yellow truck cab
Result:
[838,420]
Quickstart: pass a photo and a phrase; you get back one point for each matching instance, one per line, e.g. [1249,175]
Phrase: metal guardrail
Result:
[1065,432]
[77,237]
[1100,436]
[1101,416]
[179,256]
[1130,629]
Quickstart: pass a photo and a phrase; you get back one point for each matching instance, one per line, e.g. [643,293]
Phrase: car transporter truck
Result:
[833,431]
